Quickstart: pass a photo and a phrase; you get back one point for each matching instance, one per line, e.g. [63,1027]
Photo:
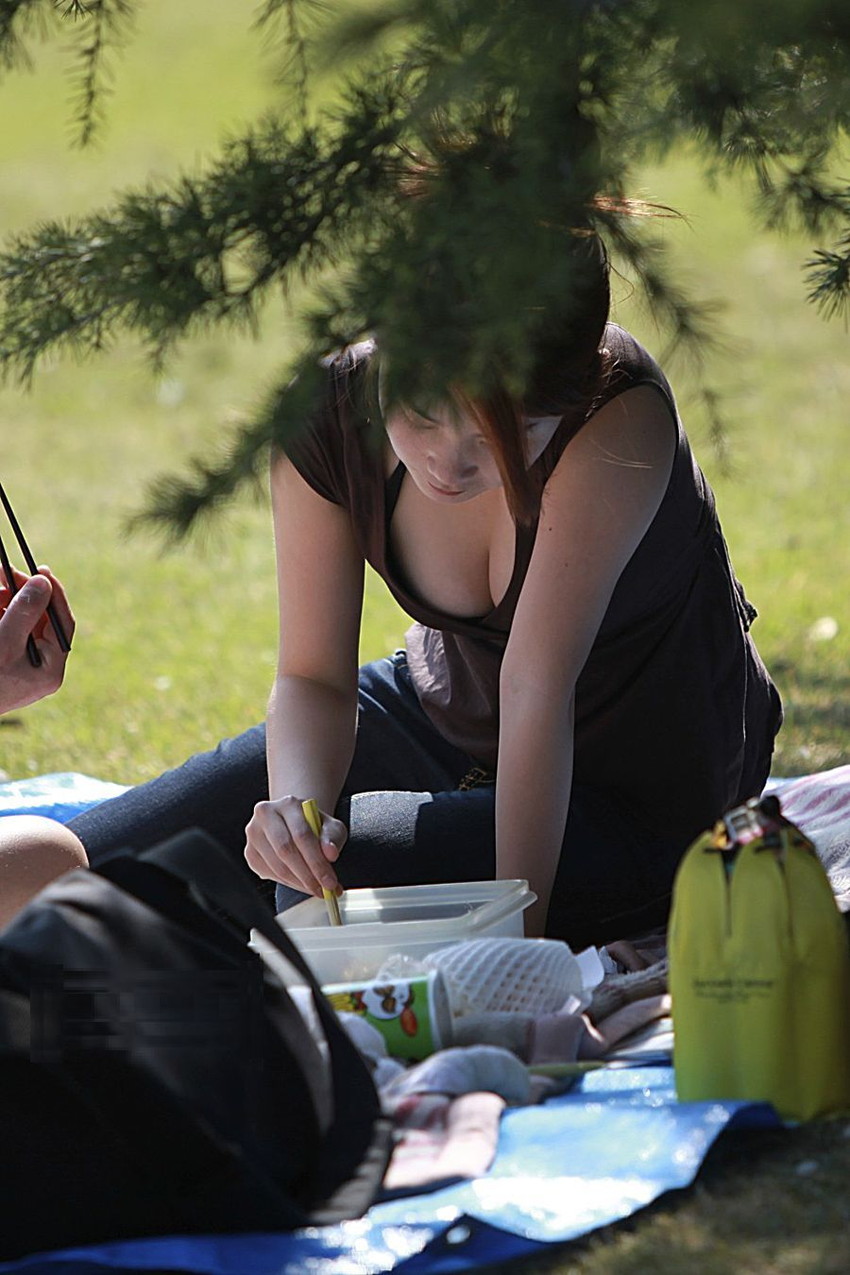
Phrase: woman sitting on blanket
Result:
[32,850]
[579,694]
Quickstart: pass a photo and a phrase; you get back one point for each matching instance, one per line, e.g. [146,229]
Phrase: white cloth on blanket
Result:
[819,805]
[473,1069]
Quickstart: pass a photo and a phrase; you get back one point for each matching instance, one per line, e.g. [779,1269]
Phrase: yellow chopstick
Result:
[557,1070]
[311,814]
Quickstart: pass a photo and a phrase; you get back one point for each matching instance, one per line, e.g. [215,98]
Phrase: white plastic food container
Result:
[410,920]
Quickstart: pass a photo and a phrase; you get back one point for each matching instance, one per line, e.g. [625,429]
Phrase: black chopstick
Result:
[32,650]
[52,614]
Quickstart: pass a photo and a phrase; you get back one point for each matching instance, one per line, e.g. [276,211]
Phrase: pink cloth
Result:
[439,1137]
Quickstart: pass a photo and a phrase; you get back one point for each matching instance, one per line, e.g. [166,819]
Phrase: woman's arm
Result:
[313,705]
[597,506]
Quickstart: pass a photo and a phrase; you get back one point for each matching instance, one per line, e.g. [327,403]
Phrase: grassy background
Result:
[174,651]
[781,489]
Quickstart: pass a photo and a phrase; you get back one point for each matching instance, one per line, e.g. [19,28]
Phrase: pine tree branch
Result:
[828,276]
[104,27]
[449,189]
[167,263]
[99,27]
[22,21]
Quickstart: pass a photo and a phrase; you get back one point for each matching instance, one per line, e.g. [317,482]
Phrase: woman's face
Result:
[448,457]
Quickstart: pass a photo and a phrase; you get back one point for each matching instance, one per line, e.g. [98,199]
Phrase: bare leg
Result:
[33,852]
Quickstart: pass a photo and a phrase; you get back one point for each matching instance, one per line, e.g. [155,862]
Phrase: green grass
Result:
[782,376]
[174,651]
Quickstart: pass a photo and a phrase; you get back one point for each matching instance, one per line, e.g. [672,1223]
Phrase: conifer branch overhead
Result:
[828,274]
[438,202]
[98,28]
[165,263]
[102,27]
[22,23]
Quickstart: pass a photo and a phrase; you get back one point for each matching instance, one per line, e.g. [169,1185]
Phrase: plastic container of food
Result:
[409,920]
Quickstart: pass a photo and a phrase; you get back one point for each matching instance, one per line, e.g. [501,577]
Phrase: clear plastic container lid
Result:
[477,904]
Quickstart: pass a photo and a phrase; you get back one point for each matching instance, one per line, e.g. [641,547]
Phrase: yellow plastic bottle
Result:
[759,969]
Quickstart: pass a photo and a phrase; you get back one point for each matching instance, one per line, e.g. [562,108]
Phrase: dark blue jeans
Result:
[409,819]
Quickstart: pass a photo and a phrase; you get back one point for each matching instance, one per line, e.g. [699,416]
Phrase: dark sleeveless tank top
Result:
[675,712]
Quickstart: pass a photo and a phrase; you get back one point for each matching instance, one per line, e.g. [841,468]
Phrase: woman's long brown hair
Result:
[568,371]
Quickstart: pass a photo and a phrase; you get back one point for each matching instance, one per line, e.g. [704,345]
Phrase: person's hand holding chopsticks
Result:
[281,846]
[24,622]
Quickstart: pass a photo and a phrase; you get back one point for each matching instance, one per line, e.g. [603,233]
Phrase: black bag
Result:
[156,1077]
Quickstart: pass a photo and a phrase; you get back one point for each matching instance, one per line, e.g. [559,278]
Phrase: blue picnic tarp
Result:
[59,796]
[612,1145]
[565,1167]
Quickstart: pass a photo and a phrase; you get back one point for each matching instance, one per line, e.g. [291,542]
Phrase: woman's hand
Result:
[282,847]
[24,614]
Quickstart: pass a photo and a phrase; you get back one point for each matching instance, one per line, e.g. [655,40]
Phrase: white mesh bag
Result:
[528,976]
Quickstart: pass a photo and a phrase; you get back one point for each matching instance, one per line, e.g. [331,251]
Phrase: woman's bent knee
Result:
[33,852]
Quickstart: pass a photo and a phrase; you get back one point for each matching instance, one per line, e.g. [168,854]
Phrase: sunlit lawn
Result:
[174,651]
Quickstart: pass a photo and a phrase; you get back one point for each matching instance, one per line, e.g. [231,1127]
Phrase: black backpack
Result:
[156,1077]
